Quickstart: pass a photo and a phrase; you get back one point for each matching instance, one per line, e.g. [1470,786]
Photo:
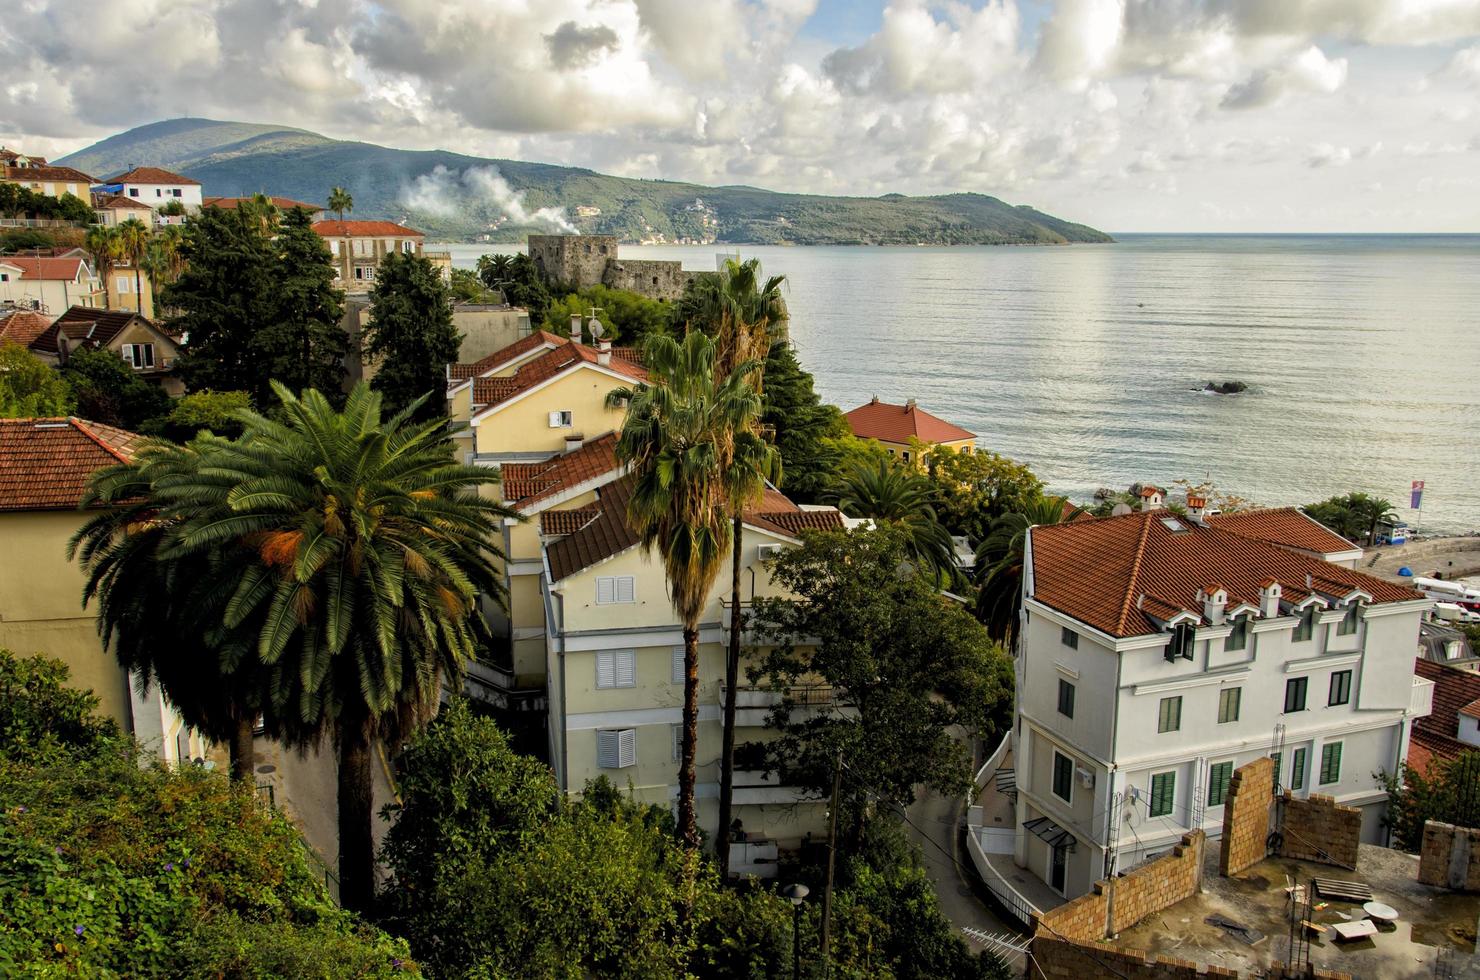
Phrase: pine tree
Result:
[411,334]
[305,346]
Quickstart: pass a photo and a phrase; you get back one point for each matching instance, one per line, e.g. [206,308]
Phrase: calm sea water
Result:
[1362,354]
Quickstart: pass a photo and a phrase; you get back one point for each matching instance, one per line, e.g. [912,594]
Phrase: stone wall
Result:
[1321,830]
[1450,857]
[1246,817]
[1115,904]
[1061,959]
[654,278]
[572,260]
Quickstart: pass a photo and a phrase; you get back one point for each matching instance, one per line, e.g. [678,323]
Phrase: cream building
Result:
[48,284]
[35,174]
[357,248]
[902,429]
[143,346]
[155,187]
[44,466]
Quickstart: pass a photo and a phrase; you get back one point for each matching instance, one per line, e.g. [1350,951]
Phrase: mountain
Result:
[452,196]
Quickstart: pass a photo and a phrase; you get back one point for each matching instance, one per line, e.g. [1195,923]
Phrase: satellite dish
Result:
[1120,510]
[594,325]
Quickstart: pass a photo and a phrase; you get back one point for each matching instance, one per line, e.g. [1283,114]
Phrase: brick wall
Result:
[1246,816]
[1320,830]
[1450,856]
[1116,904]
[1085,919]
[1060,959]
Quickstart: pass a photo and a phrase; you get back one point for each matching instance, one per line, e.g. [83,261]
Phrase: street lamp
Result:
[796,894]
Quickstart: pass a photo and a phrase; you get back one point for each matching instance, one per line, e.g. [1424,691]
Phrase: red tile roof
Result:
[281,203]
[45,463]
[1122,574]
[1425,746]
[897,423]
[109,202]
[491,391]
[47,173]
[506,355]
[557,522]
[150,175]
[84,324]
[1288,527]
[527,484]
[22,326]
[364,229]
[62,269]
[1455,690]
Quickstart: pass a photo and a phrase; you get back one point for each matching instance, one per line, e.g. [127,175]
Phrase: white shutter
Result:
[606,668]
[678,665]
[627,742]
[555,420]
[608,754]
[626,667]
[606,590]
[626,589]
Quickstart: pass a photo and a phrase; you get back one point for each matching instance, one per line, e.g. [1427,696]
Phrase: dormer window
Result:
[1307,625]
[1348,624]
[1180,647]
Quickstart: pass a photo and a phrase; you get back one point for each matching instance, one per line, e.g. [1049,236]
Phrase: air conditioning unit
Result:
[767,551]
[1086,778]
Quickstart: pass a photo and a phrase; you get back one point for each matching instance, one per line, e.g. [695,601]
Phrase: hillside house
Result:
[48,283]
[145,347]
[154,187]
[899,428]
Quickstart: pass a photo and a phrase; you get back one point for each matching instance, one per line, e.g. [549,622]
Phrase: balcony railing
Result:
[498,685]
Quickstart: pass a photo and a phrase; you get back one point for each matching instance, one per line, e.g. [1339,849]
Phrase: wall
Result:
[572,260]
[523,425]
[1116,904]
[1321,830]
[1450,857]
[1246,816]
[654,278]
[486,329]
[1056,959]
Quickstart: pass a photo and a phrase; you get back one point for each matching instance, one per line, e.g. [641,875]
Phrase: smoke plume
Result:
[445,193]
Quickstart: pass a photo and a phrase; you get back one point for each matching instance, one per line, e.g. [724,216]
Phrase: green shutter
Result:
[1330,763]
[1163,790]
[1297,770]
[1274,757]
[1218,779]
[1170,716]
[1228,704]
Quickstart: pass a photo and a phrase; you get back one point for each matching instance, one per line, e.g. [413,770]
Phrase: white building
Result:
[155,187]
[1159,653]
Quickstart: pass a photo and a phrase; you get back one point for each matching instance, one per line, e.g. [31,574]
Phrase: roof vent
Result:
[1173,525]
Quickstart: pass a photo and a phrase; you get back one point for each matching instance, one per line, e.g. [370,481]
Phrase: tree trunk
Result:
[356,844]
[243,750]
[688,827]
[732,678]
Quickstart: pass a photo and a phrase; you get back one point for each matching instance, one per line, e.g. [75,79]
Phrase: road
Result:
[933,823]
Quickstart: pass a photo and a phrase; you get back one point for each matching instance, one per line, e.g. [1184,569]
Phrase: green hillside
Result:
[465,201]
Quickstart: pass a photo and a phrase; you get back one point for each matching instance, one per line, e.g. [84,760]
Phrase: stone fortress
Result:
[586,260]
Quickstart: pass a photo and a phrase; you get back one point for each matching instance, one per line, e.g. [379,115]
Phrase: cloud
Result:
[1309,71]
[916,53]
[1465,65]
[574,46]
[445,193]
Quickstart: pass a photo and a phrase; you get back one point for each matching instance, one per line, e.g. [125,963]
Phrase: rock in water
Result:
[1226,387]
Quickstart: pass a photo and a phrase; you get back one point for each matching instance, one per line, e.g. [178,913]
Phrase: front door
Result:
[1057,861]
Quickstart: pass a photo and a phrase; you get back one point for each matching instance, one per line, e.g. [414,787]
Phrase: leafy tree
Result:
[17,201]
[624,316]
[109,391]
[891,494]
[999,562]
[173,209]
[1449,792]
[340,202]
[468,288]
[105,246]
[1354,516]
[678,438]
[29,387]
[304,345]
[412,334]
[24,239]
[807,431]
[40,714]
[133,240]
[517,277]
[912,663]
[202,411]
[974,489]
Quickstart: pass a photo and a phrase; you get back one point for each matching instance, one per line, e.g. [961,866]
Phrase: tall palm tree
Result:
[105,245]
[999,562]
[679,439]
[743,315]
[133,239]
[890,493]
[340,201]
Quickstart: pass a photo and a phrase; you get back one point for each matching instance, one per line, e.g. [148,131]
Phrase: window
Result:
[616,668]
[616,748]
[1341,687]
[1295,694]
[158,192]
[1066,698]
[1218,776]
[1063,777]
[1163,793]
[677,742]
[334,247]
[138,355]
[561,420]
[1183,640]
[1170,717]
[1330,763]
[123,284]
[678,671]
[408,247]
[1228,703]
[1348,624]
[359,273]
[361,246]
[133,192]
[906,455]
[370,272]
[4,277]
[1306,628]
[1239,638]
[614,588]
[1297,770]
[1069,638]
[176,192]
[1274,758]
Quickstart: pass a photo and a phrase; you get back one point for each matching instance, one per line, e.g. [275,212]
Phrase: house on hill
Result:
[316,211]
[145,347]
[48,283]
[40,177]
[154,187]
[1453,727]
[895,426]
[358,246]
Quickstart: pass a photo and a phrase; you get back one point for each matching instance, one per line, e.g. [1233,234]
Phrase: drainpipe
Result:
[564,733]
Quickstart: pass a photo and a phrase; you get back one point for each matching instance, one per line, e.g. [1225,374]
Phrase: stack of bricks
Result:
[1246,816]
[1320,830]
[1450,857]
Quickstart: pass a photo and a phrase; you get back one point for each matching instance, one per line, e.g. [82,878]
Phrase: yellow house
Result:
[44,467]
[40,177]
[894,426]
[143,346]
[129,290]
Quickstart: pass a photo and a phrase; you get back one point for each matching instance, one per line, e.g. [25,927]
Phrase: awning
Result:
[1049,832]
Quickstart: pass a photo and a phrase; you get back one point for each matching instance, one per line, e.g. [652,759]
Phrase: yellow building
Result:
[44,467]
[143,346]
[129,290]
[115,209]
[894,426]
[40,177]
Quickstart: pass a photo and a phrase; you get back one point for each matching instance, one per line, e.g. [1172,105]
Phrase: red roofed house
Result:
[19,326]
[1453,727]
[281,203]
[44,468]
[35,174]
[895,426]
[155,187]
[358,247]
[1157,653]
[146,348]
[115,209]
[47,283]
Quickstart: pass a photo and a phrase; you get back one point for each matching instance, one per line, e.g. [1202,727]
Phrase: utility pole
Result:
[832,849]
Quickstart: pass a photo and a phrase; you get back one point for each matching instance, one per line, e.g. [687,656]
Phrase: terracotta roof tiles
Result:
[22,326]
[84,324]
[47,172]
[1288,527]
[281,203]
[1454,691]
[67,269]
[45,463]
[558,522]
[528,484]
[506,355]
[898,423]
[151,175]
[364,229]
[492,391]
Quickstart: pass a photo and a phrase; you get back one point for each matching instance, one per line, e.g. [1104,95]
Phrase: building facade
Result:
[49,284]
[582,261]
[40,177]
[357,248]
[906,430]
[154,187]
[144,347]
[1158,653]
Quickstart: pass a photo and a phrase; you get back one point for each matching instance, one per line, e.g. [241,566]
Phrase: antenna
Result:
[593,324]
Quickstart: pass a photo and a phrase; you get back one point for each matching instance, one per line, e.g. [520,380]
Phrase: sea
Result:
[1361,353]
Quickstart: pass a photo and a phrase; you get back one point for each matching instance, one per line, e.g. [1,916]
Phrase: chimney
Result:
[1269,598]
[575,327]
[909,406]
[574,441]
[1197,508]
[874,400]
[1214,601]
[1151,499]
[604,353]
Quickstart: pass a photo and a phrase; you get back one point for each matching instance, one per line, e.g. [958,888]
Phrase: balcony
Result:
[1421,699]
[753,703]
[496,684]
[756,787]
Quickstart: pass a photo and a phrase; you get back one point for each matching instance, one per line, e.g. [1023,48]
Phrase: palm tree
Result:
[340,201]
[999,561]
[104,244]
[133,239]
[679,439]
[890,493]
[743,315]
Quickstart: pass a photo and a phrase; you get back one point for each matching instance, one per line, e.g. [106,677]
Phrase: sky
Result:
[1129,115]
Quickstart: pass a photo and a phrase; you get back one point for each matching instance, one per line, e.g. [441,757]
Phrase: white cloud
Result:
[917,53]
[1308,71]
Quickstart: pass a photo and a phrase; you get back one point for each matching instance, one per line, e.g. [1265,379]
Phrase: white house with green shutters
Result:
[1157,653]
